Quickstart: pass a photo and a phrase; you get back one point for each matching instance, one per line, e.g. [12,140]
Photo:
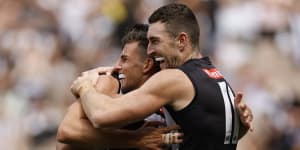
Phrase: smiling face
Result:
[132,65]
[173,35]
[162,46]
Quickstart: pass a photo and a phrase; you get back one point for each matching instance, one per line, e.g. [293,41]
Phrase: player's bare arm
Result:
[108,112]
[76,131]
[156,91]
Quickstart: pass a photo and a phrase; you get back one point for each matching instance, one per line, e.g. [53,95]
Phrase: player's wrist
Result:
[135,140]
[130,139]
[84,89]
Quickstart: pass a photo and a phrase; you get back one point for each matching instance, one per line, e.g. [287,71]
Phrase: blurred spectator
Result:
[45,44]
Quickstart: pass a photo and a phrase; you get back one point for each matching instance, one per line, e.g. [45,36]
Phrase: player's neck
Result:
[194,55]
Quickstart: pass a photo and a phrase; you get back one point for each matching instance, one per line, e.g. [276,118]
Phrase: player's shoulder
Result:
[170,77]
[170,74]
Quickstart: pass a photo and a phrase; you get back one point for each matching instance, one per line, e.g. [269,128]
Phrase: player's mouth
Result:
[161,61]
[122,76]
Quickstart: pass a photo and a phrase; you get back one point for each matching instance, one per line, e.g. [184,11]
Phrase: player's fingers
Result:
[93,78]
[98,70]
[238,102]
[171,138]
[85,73]
[176,138]
[248,122]
[243,106]
[113,70]
[238,97]
[249,119]
[104,69]
[246,114]
[88,72]
[73,89]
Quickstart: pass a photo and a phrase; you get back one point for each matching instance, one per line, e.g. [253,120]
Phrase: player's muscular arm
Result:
[77,131]
[62,146]
[163,88]
[74,128]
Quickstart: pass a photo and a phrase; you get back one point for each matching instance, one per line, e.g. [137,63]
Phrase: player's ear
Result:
[148,65]
[181,40]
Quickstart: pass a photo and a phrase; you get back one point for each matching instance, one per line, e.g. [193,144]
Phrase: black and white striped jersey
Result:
[210,121]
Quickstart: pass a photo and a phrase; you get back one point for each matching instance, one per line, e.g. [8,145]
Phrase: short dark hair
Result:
[137,33]
[178,18]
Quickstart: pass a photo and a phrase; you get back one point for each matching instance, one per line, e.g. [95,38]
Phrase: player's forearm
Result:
[81,133]
[75,127]
[118,138]
[107,138]
[97,101]
[62,146]
[75,132]
[94,104]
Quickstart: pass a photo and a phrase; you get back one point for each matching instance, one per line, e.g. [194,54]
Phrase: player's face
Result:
[162,46]
[131,64]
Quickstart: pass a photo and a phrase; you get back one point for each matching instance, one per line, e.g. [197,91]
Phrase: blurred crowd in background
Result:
[45,44]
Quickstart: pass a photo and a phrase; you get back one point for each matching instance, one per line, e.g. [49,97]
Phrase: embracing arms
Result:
[107,112]
[76,131]
[161,89]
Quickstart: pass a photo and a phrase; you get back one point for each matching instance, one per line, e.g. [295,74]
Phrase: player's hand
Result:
[90,77]
[245,112]
[152,138]
[99,70]
[94,73]
[81,85]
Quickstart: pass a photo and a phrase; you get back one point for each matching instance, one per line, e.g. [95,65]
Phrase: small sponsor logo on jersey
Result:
[213,73]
